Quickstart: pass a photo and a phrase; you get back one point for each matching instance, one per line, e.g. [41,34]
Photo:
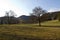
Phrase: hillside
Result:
[51,23]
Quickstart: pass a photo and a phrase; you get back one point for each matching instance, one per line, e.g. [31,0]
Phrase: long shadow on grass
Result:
[49,26]
[4,36]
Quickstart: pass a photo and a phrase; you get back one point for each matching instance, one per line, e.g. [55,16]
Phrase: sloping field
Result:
[53,23]
[28,32]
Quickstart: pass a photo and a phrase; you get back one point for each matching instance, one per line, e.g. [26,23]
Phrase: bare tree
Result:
[10,13]
[38,11]
[10,17]
[7,15]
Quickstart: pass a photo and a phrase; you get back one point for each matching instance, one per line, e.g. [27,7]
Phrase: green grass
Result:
[36,32]
[30,31]
[51,23]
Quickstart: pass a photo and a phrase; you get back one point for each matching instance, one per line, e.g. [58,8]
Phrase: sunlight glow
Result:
[6,5]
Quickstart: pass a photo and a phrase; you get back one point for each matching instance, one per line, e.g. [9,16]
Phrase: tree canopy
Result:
[38,12]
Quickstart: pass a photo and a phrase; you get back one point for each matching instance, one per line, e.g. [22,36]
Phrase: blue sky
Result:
[24,7]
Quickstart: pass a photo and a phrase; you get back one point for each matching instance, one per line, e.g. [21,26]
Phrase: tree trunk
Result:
[39,21]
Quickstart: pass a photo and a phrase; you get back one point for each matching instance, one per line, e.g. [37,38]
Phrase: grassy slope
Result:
[52,23]
[30,31]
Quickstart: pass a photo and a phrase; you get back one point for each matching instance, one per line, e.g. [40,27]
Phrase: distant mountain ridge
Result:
[24,17]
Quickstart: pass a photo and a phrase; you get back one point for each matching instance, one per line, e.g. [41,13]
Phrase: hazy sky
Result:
[24,7]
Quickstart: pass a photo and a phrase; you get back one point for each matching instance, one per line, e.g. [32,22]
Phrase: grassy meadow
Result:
[48,31]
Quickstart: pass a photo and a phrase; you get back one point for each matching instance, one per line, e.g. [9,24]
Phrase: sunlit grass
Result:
[51,23]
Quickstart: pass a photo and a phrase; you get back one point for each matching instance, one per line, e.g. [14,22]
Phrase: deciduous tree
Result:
[38,11]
